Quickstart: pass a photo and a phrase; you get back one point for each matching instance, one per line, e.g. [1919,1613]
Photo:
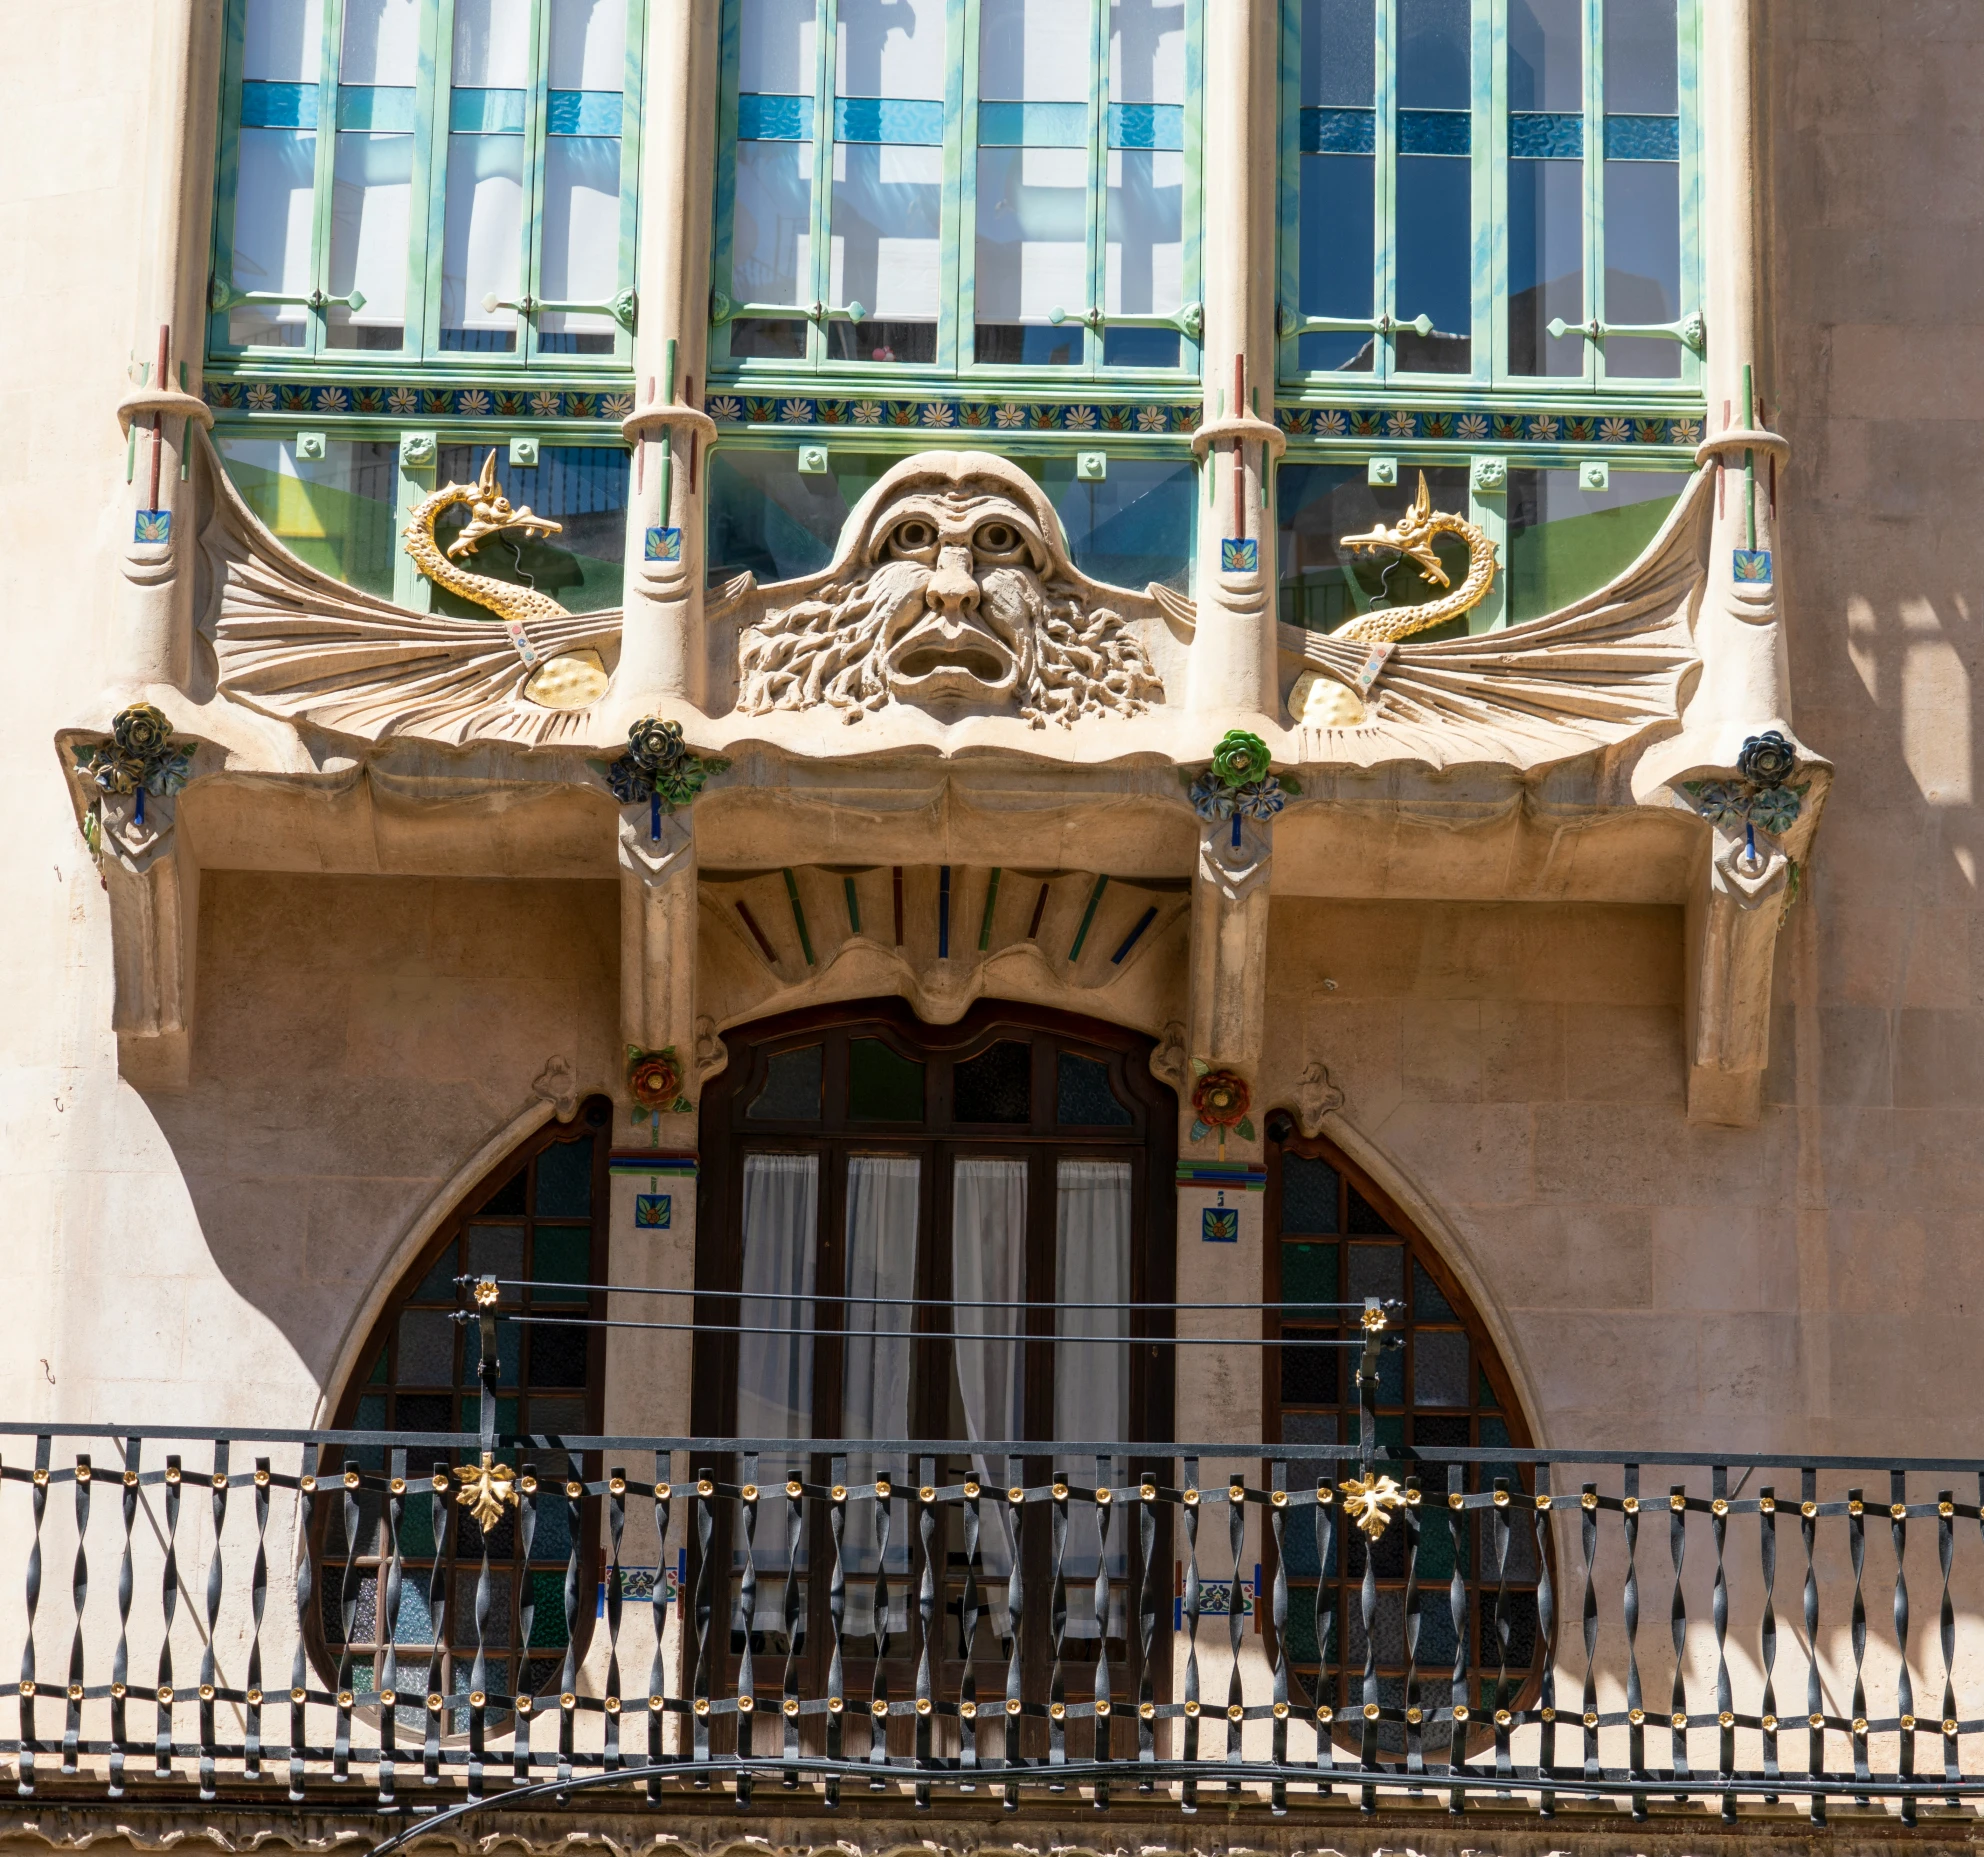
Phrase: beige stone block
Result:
[1626,1153]
[1728,1259]
[1569,1257]
[1359,1043]
[1938,1060]
[1441,1050]
[1522,1051]
[1624,1054]
[1467,1154]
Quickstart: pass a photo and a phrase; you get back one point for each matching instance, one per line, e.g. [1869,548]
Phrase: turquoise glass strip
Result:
[387,110]
[486,112]
[1146,125]
[583,112]
[1642,138]
[907,121]
[1033,125]
[762,117]
[1536,135]
[1339,132]
[1434,132]
[278,106]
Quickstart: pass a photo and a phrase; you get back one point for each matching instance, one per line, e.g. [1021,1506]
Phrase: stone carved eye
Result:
[997,539]
[914,537]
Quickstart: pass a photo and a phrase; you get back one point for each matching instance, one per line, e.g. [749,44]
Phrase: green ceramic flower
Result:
[655,744]
[1240,758]
[141,732]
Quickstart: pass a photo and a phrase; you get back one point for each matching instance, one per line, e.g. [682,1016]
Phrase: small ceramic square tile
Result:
[664,544]
[1242,556]
[652,1211]
[1220,1225]
[1753,565]
[153,525]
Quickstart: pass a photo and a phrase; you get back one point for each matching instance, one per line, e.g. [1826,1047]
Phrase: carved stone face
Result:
[950,592]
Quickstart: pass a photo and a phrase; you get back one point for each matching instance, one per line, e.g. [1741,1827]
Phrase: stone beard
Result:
[954,600]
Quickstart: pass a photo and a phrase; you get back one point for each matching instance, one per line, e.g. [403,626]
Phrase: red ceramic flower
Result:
[1220,1098]
[654,1079]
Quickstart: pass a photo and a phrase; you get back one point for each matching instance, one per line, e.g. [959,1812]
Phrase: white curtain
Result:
[1092,1377]
[883,1193]
[988,1265]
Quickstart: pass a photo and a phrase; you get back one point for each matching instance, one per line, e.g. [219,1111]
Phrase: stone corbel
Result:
[1761,816]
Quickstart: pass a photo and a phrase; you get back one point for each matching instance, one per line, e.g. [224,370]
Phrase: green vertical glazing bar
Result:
[1088,916]
[848,890]
[668,432]
[1749,467]
[799,917]
[991,903]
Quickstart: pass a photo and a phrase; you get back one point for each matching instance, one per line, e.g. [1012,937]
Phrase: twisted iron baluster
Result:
[306,1585]
[1504,1690]
[347,1618]
[836,1615]
[744,1622]
[568,1678]
[1808,1510]
[968,1611]
[795,1530]
[1415,1738]
[169,1610]
[437,1614]
[1147,1603]
[1904,1688]
[926,1614]
[664,1467]
[1057,1624]
[120,1663]
[1104,1701]
[1191,1737]
[26,1783]
[1278,1615]
[386,1680]
[258,1598]
[1946,1621]
[1767,1635]
[1677,1630]
[79,1592]
[878,1688]
[702,1678]
[1725,1718]
[1588,1544]
[1629,1505]
[1325,1619]
[1015,1620]
[1546,1637]
[1457,1535]
[616,1525]
[478,1676]
[1236,1536]
[523,1702]
[1856,1544]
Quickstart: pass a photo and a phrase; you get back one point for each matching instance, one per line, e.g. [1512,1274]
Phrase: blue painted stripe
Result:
[385,110]
[1642,138]
[1033,125]
[1536,135]
[583,112]
[762,117]
[1146,125]
[1339,132]
[278,106]
[1434,132]
[907,121]
[486,112]
[1207,1173]
[651,1161]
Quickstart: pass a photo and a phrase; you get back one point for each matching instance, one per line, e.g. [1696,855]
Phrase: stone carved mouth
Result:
[939,656]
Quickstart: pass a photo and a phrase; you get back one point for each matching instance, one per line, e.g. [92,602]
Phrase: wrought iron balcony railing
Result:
[891,1624]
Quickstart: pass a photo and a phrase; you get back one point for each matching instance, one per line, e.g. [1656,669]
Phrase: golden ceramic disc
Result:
[574,681]
[1319,701]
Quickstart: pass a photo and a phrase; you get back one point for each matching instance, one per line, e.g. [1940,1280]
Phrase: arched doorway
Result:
[910,1231]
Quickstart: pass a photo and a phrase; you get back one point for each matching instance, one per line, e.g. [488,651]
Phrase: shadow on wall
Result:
[358,1039]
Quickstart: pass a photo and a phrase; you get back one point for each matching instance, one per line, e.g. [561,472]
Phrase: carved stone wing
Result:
[1594,673]
[296,643]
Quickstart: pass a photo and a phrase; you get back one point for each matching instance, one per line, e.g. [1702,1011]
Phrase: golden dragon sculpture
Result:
[1413,536]
[570,680]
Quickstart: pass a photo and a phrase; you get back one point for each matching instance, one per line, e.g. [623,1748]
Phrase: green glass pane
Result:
[1308,1273]
[1301,1633]
[561,1254]
[371,1413]
[1565,541]
[377,1377]
[509,1197]
[416,1538]
[1484,1394]
[439,1283]
[547,1628]
[882,1086]
[1428,1303]
[1308,1196]
[335,512]
[564,1181]
[1436,1546]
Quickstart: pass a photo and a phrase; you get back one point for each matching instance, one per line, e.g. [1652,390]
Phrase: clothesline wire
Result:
[907,1334]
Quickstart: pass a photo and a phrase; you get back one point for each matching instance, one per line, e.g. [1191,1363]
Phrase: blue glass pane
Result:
[1139,348]
[486,112]
[1337,246]
[908,120]
[1136,525]
[1033,125]
[1642,138]
[387,110]
[1432,54]
[762,118]
[278,106]
[1537,137]
[1546,54]
[1338,132]
[1433,132]
[1435,265]
[583,112]
[564,1181]
[763,515]
[1083,1097]
[1339,52]
[1146,125]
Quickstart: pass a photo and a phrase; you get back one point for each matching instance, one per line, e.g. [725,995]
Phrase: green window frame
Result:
[312,149]
[1486,138]
[1120,144]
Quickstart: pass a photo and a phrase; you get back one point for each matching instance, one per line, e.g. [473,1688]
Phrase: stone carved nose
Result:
[952,588]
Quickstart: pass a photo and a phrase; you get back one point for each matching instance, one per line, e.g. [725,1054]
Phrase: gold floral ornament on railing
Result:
[1370,1500]
[487,1489]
